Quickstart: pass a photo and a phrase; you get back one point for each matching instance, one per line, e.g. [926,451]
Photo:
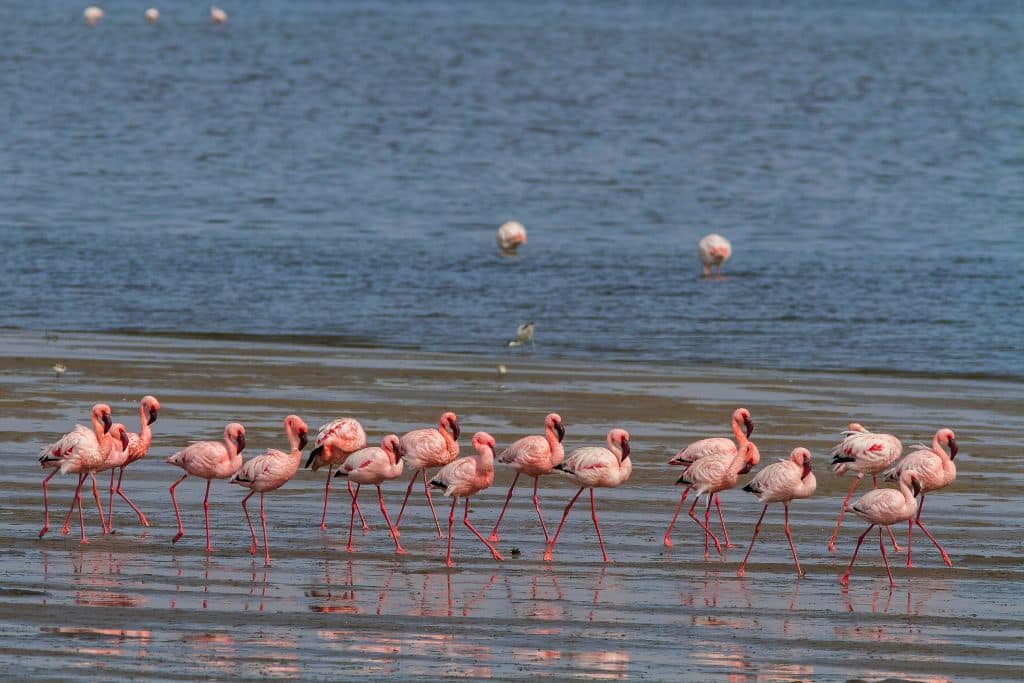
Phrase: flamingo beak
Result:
[241,442]
[953,448]
[455,430]
[747,466]
[124,441]
[303,440]
[749,424]
[560,428]
[625,449]
[107,423]
[152,416]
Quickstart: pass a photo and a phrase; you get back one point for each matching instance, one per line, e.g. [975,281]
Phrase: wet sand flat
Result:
[134,606]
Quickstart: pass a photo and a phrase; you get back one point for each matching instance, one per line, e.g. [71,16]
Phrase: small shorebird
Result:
[510,236]
[59,369]
[534,456]
[152,15]
[335,441]
[782,482]
[374,466]
[935,470]
[593,467]
[524,335]
[464,478]
[209,460]
[882,507]
[714,250]
[217,15]
[423,449]
[138,446]
[92,15]
[270,471]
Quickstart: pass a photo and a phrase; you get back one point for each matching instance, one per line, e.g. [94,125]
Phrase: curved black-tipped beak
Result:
[456,430]
[747,466]
[749,424]
[124,441]
[152,416]
[917,487]
[953,448]
[107,423]
[303,440]
[241,442]
[625,449]
[681,480]
[560,428]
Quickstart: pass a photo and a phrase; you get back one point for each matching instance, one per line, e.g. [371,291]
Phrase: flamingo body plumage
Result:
[374,466]
[138,446]
[714,250]
[511,235]
[423,449]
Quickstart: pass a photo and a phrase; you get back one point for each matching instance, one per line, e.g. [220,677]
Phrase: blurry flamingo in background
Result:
[423,449]
[466,477]
[935,470]
[209,460]
[882,507]
[335,441]
[782,482]
[511,235]
[87,460]
[138,446]
[862,452]
[270,471]
[714,473]
[534,456]
[80,437]
[92,15]
[217,15]
[714,250]
[374,466]
[152,15]
[714,446]
[593,467]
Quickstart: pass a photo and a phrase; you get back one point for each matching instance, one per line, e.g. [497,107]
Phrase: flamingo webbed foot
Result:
[493,538]
[65,530]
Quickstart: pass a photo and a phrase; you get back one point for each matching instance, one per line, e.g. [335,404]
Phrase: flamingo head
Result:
[857,427]
[101,414]
[618,439]
[554,421]
[235,433]
[742,415]
[293,424]
[948,438]
[151,407]
[912,481]
[120,432]
[484,443]
[392,445]
[751,456]
[802,457]
[450,422]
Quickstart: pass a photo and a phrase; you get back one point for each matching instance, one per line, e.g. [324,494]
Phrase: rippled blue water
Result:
[337,171]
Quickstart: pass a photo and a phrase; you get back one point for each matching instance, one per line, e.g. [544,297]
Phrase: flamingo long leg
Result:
[108,524]
[142,518]
[451,526]
[81,512]
[842,511]
[352,519]
[536,504]
[206,515]
[757,529]
[394,532]
[493,538]
[668,531]
[46,503]
[327,495]
[704,526]
[597,526]
[99,506]
[721,518]
[177,512]
[707,524]
[359,511]
[885,558]
[844,579]
[252,531]
[945,557]
[66,528]
[554,540]
[465,520]
[430,502]
[408,492]
[789,537]
[266,542]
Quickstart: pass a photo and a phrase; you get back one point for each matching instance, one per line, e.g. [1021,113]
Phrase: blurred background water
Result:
[337,171]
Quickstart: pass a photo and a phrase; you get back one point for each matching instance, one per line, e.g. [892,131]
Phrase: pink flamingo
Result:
[87,461]
[209,460]
[374,466]
[534,456]
[270,471]
[593,467]
[863,452]
[714,250]
[138,446]
[782,482]
[882,507]
[426,448]
[511,235]
[935,470]
[335,441]
[52,457]
[714,473]
[713,446]
[464,478]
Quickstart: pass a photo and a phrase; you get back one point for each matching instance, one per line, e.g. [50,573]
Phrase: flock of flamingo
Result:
[709,466]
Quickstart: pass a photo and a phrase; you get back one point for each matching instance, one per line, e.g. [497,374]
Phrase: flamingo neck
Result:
[230,445]
[937,447]
[97,427]
[553,443]
[738,432]
[145,433]
[449,440]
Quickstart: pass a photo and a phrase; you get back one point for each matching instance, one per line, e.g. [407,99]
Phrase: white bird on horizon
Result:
[217,15]
[714,250]
[524,335]
[152,15]
[92,15]
[510,235]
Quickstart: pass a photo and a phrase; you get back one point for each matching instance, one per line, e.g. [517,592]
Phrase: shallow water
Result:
[134,605]
[337,171]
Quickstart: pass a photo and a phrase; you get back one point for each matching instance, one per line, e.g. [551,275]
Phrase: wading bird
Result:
[335,441]
[510,236]
[138,446]
[714,250]
[423,449]
[374,466]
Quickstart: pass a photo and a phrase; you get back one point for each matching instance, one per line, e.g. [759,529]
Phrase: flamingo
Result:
[510,236]
[593,467]
[92,15]
[209,460]
[714,473]
[464,478]
[270,471]
[714,250]
[426,448]
[935,470]
[863,452]
[782,482]
[138,446]
[217,15]
[714,446]
[87,461]
[152,15]
[52,457]
[335,441]
[882,507]
[534,456]
[374,466]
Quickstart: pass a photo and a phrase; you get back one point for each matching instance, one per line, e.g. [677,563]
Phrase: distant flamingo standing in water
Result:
[714,446]
[374,466]
[335,441]
[534,456]
[595,467]
[935,470]
[863,452]
[714,250]
[53,456]
[152,15]
[464,478]
[714,473]
[92,15]
[270,471]
[218,16]
[138,446]
[882,507]
[209,460]
[423,449]
[510,236]
[782,482]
